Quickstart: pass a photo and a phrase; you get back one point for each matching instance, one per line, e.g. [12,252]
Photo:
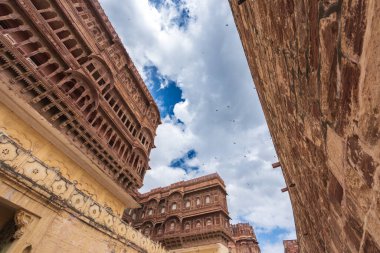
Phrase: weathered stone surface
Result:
[290,246]
[316,66]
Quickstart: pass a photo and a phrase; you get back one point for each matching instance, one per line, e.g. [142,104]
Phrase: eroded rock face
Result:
[316,68]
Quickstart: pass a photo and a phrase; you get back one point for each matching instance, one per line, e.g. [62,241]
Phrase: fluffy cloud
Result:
[195,44]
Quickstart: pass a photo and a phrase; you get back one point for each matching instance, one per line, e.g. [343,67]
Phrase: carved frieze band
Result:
[30,171]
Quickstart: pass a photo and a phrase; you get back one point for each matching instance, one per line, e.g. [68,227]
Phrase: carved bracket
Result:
[22,220]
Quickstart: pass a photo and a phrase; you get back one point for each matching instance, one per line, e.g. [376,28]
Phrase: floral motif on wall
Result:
[49,181]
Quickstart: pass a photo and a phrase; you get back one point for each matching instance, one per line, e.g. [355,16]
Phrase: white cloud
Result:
[172,141]
[272,248]
[223,118]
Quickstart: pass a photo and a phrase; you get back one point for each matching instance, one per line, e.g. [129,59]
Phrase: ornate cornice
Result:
[27,170]
[145,197]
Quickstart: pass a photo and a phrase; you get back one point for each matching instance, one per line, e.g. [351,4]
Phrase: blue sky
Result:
[183,162]
[165,91]
[182,17]
[190,56]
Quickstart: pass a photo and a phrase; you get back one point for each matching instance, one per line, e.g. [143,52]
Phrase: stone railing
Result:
[205,178]
[183,211]
[28,170]
[193,231]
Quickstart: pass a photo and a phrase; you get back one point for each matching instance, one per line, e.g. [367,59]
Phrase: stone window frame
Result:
[227,224]
[187,203]
[187,226]
[198,201]
[172,226]
[147,228]
[198,222]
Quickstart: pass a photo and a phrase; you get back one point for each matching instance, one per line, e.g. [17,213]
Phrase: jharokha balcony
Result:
[187,231]
[83,83]
[182,236]
[184,214]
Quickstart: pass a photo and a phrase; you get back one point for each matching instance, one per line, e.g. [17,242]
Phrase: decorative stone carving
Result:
[94,211]
[78,200]
[34,170]
[173,221]
[46,75]
[116,54]
[22,219]
[59,187]
[7,152]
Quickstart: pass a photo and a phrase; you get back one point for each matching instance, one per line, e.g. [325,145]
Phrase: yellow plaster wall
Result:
[53,230]
[28,138]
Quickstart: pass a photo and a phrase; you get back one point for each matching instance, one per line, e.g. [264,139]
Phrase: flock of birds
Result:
[247,152]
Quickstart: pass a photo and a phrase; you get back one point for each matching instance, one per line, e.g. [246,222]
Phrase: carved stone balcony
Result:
[184,237]
[89,95]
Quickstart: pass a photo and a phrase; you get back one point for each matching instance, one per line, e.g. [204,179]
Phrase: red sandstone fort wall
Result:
[315,66]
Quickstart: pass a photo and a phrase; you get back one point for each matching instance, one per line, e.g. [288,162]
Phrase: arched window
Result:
[134,216]
[187,226]
[198,225]
[100,74]
[209,222]
[187,204]
[159,232]
[198,201]
[163,209]
[207,200]
[150,212]
[174,206]
[172,226]
[81,93]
